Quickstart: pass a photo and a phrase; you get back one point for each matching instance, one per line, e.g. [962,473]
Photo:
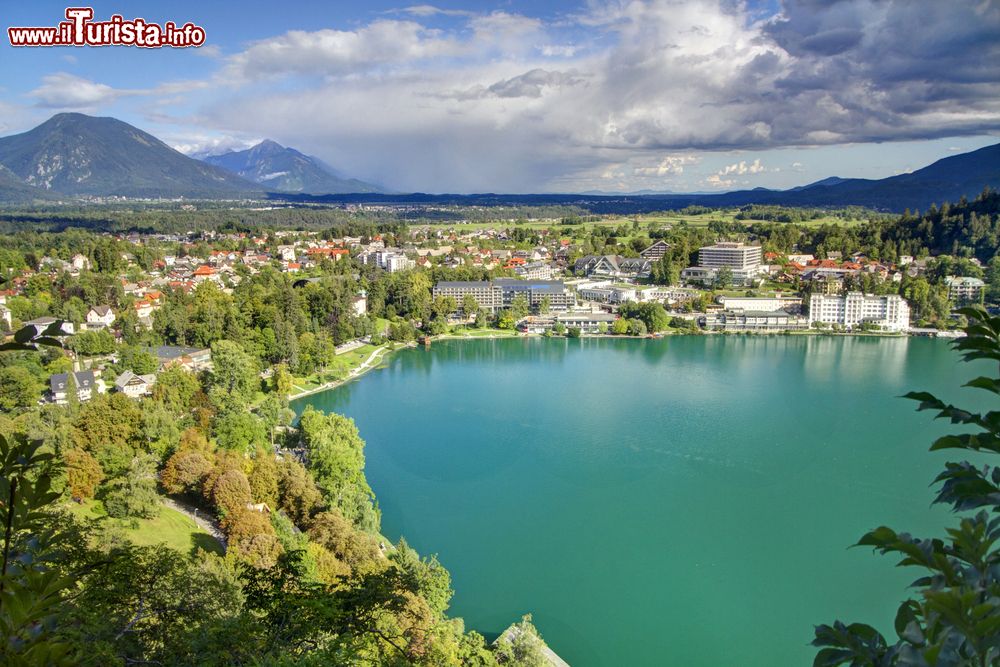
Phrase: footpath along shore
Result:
[379,355]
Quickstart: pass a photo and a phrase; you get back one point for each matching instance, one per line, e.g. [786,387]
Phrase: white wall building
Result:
[133,385]
[99,317]
[962,289]
[736,256]
[773,303]
[889,312]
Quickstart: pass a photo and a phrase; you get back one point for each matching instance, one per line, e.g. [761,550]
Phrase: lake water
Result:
[687,501]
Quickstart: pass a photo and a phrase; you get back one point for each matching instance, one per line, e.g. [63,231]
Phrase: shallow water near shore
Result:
[684,501]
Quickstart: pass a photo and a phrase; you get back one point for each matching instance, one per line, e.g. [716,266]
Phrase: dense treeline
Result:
[964,229]
[786,214]
[214,216]
[306,577]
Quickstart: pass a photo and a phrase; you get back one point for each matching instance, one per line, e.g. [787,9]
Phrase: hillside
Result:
[948,179]
[75,154]
[14,190]
[282,169]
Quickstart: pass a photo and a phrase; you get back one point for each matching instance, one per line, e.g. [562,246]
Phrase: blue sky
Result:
[666,95]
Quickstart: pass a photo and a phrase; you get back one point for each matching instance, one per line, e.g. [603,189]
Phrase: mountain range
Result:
[948,179]
[73,155]
[281,169]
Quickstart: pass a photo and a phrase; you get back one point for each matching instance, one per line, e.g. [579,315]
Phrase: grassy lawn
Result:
[171,528]
[478,333]
[341,366]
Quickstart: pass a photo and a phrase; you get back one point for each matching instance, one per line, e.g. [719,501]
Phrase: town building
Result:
[762,304]
[737,256]
[888,312]
[501,292]
[189,358]
[133,385]
[964,290]
[613,266]
[87,386]
[537,292]
[655,252]
[753,320]
[534,271]
[80,263]
[359,304]
[100,317]
[742,260]
[607,293]
[587,323]
[390,259]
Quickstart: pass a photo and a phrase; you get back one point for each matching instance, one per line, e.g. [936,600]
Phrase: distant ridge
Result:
[282,169]
[948,179]
[72,155]
[76,154]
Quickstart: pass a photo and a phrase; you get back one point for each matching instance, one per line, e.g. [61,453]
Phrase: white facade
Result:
[133,385]
[100,316]
[766,304]
[534,271]
[736,256]
[80,262]
[708,275]
[360,304]
[607,293]
[963,289]
[889,312]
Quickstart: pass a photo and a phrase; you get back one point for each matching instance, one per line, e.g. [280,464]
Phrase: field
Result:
[658,219]
[170,528]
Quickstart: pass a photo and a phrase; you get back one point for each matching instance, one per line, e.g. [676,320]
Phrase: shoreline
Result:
[367,365]
[382,353]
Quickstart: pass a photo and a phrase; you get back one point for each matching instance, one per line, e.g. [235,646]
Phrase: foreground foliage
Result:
[954,619]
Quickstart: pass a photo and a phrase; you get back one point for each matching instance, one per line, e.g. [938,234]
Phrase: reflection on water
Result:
[864,358]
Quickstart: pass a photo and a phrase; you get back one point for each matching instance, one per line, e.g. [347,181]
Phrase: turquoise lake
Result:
[687,501]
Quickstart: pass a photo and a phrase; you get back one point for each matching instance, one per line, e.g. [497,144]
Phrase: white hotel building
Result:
[889,312]
[743,260]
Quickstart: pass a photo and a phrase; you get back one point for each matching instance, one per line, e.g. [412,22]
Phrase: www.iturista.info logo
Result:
[81,30]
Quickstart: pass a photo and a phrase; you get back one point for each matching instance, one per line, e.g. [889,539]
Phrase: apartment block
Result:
[888,312]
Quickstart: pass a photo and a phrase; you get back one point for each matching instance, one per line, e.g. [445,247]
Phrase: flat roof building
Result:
[889,312]
[736,256]
[500,293]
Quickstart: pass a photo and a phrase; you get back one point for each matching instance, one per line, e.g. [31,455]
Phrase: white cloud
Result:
[716,181]
[338,52]
[208,51]
[67,91]
[431,10]
[559,50]
[205,145]
[741,168]
[670,165]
